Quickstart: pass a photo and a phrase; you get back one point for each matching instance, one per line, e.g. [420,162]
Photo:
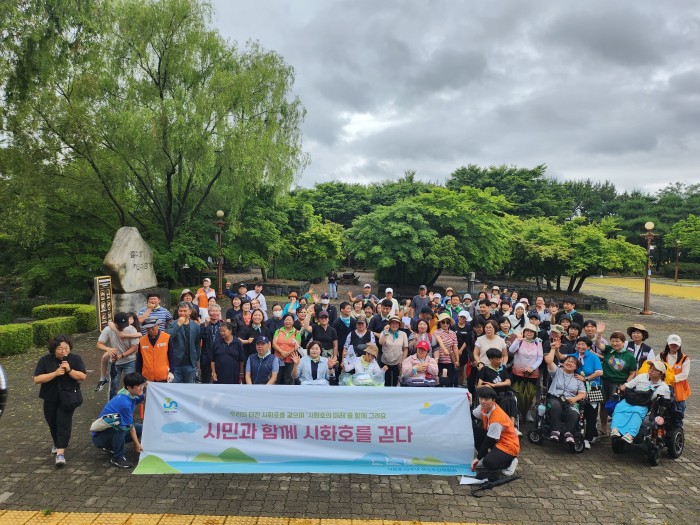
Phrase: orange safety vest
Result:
[203,299]
[509,442]
[155,357]
[681,389]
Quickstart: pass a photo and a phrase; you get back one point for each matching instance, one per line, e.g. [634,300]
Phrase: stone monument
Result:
[130,264]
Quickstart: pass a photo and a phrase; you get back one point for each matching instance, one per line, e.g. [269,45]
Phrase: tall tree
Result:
[157,114]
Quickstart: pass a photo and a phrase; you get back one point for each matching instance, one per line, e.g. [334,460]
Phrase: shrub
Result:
[15,338]
[86,317]
[46,329]
[686,270]
[85,314]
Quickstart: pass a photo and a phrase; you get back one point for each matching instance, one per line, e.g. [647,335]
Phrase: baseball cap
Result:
[389,290]
[150,322]
[325,296]
[121,319]
[422,287]
[464,313]
[243,285]
[322,314]
[367,285]
[206,279]
[424,345]
[262,339]
[674,339]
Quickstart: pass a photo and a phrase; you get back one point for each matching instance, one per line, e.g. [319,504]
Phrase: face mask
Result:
[326,301]
[277,314]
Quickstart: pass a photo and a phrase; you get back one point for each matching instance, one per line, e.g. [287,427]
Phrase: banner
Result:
[197,429]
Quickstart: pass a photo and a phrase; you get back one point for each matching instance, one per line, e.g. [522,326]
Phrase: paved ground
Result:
[594,487]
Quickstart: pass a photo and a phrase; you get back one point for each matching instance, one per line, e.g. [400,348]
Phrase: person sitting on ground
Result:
[115,438]
[313,369]
[627,418]
[495,441]
[497,376]
[565,393]
[420,365]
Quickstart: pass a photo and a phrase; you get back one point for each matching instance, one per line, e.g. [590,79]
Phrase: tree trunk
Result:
[263,271]
[572,282]
[539,286]
[580,283]
[549,284]
[435,277]
[558,283]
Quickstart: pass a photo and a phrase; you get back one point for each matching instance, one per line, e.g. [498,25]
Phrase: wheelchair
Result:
[655,435]
[543,426]
[510,395]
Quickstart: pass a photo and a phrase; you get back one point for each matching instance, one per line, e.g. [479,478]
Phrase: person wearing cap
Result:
[261,367]
[325,304]
[322,332]
[527,354]
[365,363]
[642,351]
[535,320]
[679,364]
[447,353]
[153,357]
[449,293]
[394,344]
[185,345]
[569,305]
[496,442]
[420,365]
[293,305]
[619,366]
[389,294]
[313,369]
[366,296]
[202,298]
[590,371]
[627,418]
[518,319]
[469,305]
[242,290]
[122,351]
[187,296]
[420,301]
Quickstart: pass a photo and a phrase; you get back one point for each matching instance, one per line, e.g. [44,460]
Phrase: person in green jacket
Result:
[619,366]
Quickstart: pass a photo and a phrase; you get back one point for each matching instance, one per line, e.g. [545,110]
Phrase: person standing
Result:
[57,372]
[122,350]
[227,358]
[202,298]
[256,293]
[154,309]
[210,334]
[333,284]
[153,357]
[184,345]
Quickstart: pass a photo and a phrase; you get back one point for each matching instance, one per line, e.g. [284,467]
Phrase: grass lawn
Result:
[683,289]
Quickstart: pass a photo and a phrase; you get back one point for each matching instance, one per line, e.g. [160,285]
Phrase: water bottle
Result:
[541,409]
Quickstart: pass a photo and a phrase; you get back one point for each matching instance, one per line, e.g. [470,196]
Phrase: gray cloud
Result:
[601,90]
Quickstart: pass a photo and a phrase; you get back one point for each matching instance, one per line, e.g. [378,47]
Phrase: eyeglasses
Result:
[444,322]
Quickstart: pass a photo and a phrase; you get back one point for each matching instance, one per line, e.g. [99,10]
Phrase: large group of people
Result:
[498,346]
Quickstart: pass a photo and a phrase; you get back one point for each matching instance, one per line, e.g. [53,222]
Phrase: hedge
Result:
[15,338]
[686,270]
[85,314]
[46,329]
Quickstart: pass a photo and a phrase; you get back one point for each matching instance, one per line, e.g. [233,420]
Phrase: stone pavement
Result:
[594,487]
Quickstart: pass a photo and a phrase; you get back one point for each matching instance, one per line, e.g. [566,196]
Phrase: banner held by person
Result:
[197,429]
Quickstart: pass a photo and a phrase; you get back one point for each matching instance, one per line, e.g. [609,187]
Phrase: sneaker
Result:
[554,435]
[615,433]
[569,438]
[598,438]
[518,433]
[511,469]
[109,450]
[101,384]
[628,438]
[586,444]
[54,450]
[121,463]
[60,461]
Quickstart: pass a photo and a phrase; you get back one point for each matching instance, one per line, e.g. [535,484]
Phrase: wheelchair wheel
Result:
[654,455]
[578,447]
[535,437]
[618,445]
[675,442]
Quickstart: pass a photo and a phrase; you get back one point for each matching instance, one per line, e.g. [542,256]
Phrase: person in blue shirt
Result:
[589,370]
[123,430]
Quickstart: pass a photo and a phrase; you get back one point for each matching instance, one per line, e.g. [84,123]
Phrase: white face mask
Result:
[326,301]
[277,314]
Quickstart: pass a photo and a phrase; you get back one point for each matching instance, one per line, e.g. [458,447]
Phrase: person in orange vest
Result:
[153,357]
[495,440]
[676,360]
[202,299]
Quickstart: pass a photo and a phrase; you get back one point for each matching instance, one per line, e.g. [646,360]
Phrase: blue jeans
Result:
[333,290]
[183,374]
[117,378]
[115,439]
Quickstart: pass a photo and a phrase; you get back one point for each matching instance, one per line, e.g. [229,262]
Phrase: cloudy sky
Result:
[597,89]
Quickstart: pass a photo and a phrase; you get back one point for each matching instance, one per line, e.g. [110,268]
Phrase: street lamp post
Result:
[220,269]
[678,249]
[647,277]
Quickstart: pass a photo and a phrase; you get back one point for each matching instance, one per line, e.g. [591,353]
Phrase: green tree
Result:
[687,231]
[418,238]
[337,201]
[154,112]
[594,200]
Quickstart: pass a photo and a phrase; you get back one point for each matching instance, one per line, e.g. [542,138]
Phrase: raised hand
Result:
[296,358]
[600,328]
